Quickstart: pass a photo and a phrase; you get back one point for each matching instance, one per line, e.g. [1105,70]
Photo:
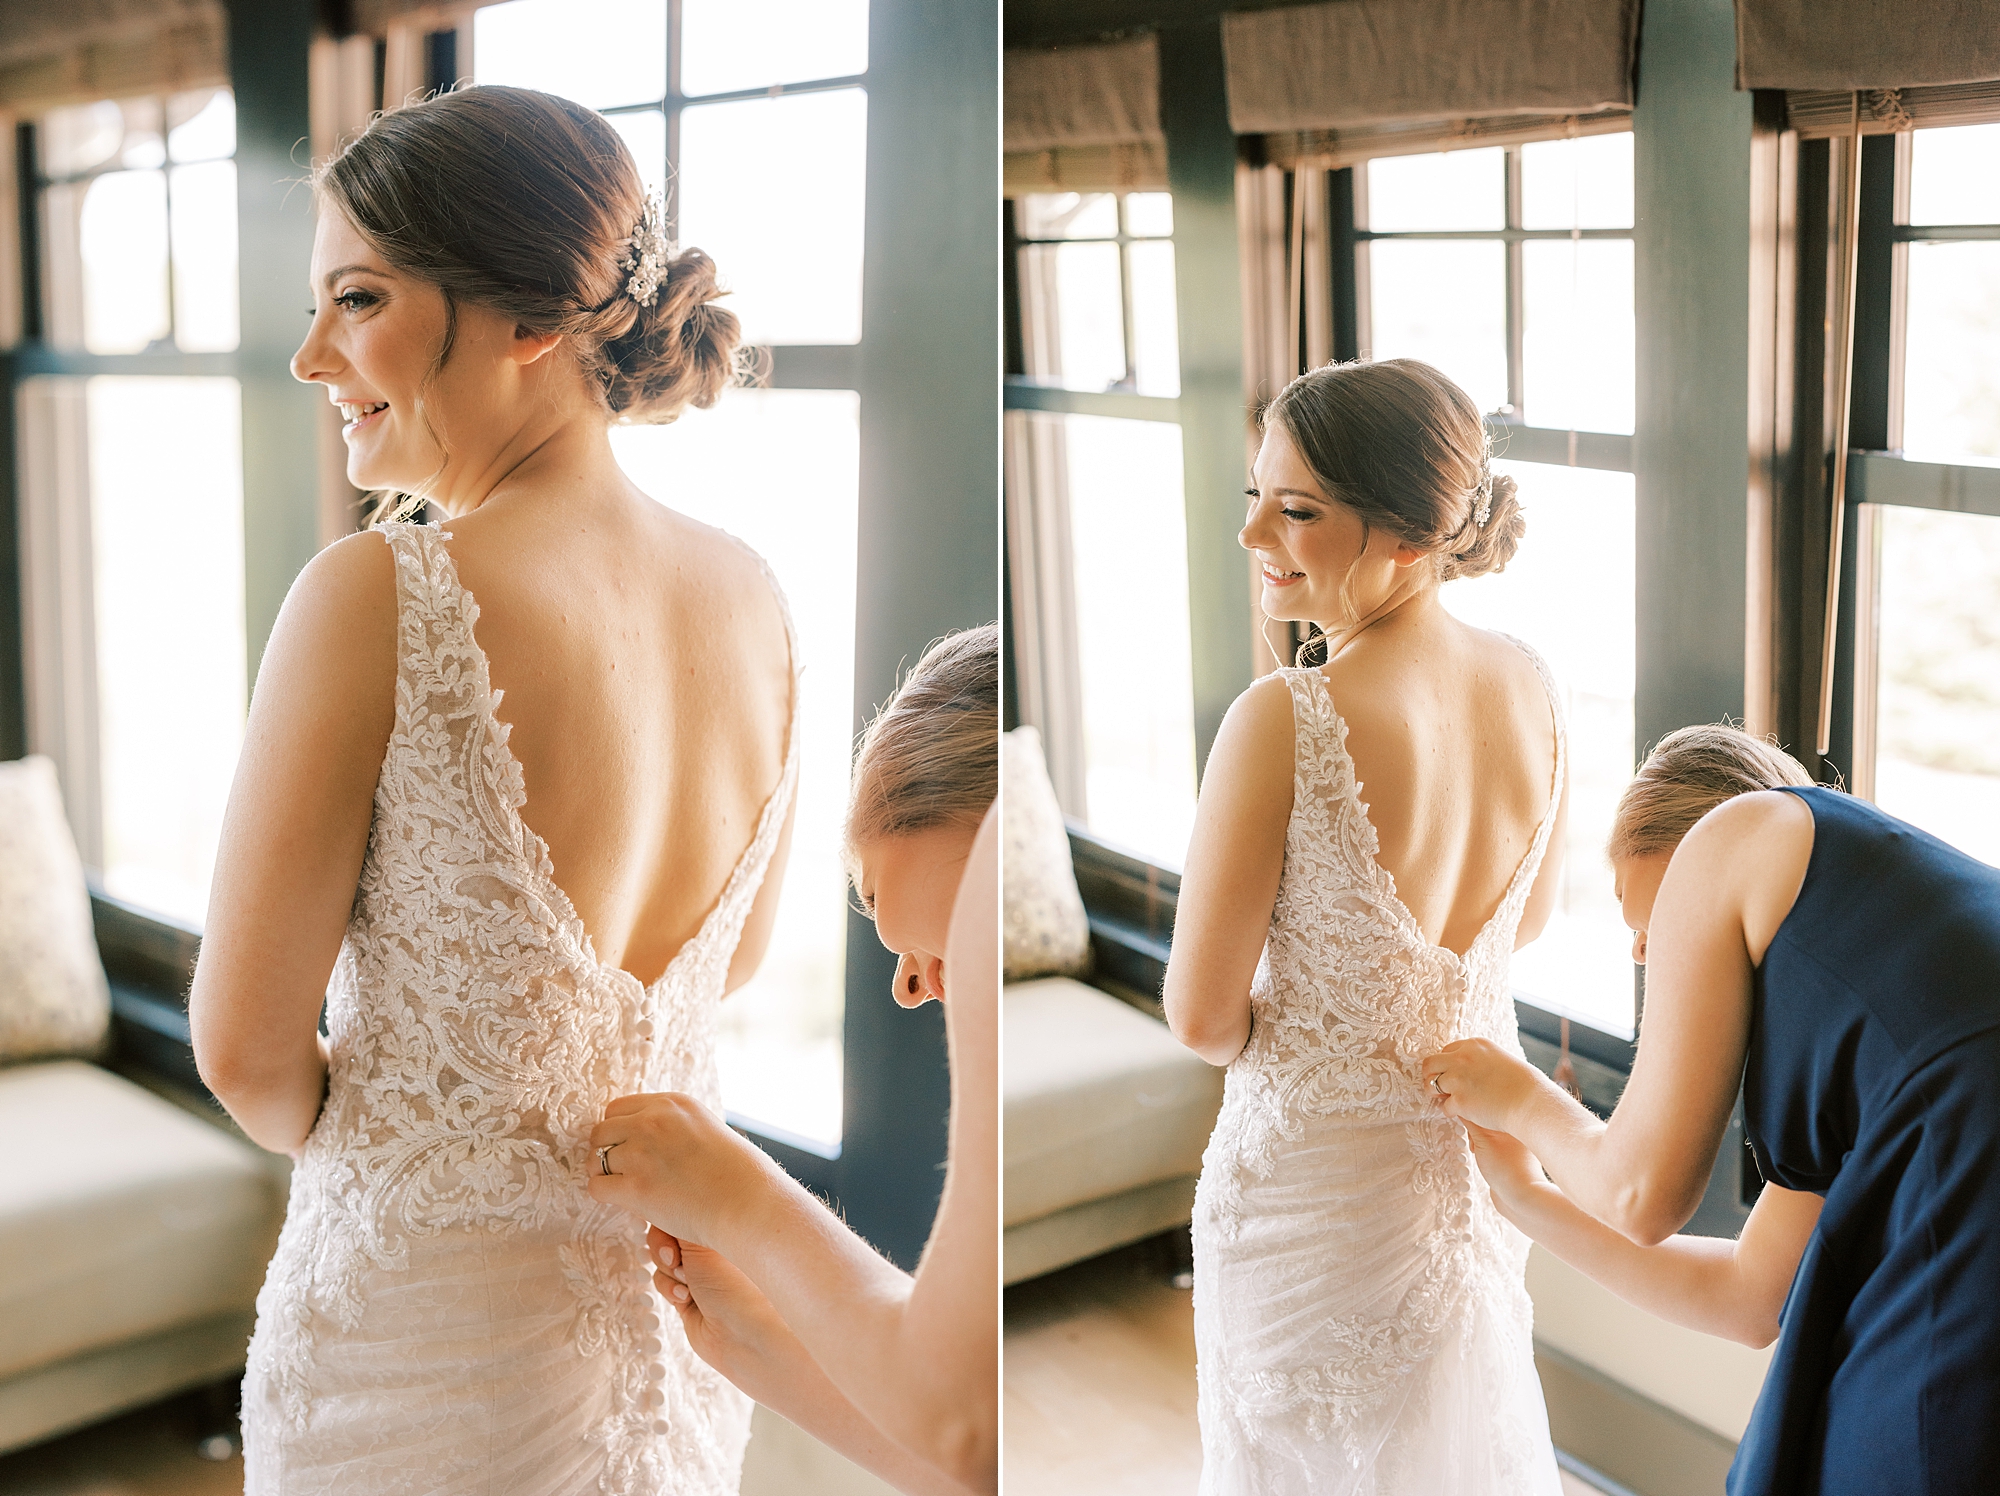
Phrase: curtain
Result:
[1364,63]
[1083,119]
[54,53]
[1844,45]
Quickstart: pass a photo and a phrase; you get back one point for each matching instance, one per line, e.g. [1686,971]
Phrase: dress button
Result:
[655,1398]
[657,1371]
[660,1426]
[652,1345]
[644,1027]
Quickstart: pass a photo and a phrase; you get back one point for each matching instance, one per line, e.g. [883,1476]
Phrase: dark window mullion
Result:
[1125,296]
[1516,392]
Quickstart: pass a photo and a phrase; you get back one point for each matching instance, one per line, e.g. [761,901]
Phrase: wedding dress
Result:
[448,1310]
[1361,1322]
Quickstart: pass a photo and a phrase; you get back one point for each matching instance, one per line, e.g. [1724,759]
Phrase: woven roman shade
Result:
[1843,45]
[58,52]
[1338,83]
[1083,119]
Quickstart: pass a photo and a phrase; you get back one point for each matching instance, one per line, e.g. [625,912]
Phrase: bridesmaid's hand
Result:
[676,1164]
[1511,1172]
[729,1323]
[1477,1081]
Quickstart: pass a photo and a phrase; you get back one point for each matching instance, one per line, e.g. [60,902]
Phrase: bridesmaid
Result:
[1854,962]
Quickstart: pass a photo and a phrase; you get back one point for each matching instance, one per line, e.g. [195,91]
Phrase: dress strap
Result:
[1560,723]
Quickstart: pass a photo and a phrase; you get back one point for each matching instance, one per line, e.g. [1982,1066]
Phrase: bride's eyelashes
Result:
[1296,516]
[351,302]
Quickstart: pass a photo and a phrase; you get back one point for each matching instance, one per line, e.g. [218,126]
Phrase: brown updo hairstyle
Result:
[1404,448]
[523,202]
[931,757]
[1687,775]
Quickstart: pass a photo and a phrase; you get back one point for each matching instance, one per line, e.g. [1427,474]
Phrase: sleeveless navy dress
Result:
[1873,1079]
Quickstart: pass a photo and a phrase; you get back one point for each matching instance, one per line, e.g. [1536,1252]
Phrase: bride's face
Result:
[374,339]
[1308,545]
[1637,886]
[907,884]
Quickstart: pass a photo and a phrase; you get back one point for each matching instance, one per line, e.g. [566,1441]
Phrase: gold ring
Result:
[604,1158]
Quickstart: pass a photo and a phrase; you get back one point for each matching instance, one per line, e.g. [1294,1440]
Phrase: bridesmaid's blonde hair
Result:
[931,757]
[1687,775]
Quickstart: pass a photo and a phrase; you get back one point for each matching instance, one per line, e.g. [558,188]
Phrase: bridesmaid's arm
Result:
[1234,860]
[1734,1289]
[1730,884]
[293,839]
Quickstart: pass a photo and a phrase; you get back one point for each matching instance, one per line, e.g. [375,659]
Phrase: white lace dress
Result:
[1361,1321]
[448,1310]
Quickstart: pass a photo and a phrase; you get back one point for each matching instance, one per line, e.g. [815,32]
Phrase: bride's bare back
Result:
[647,681]
[1452,740]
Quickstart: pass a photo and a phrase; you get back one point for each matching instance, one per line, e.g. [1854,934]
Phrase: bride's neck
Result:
[565,454]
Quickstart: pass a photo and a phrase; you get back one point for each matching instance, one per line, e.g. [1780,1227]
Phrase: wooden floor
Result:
[1100,1382]
[152,1453]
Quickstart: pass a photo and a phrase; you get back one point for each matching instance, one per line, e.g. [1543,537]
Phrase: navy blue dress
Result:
[1873,1079]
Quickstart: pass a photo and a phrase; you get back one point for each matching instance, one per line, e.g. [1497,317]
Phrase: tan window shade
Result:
[1819,113]
[1086,168]
[1843,45]
[1063,97]
[1354,63]
[54,53]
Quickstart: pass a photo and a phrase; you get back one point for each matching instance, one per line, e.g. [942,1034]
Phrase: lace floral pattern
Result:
[440,1244]
[1355,1290]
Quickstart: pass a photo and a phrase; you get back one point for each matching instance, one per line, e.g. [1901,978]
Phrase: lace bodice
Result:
[1341,1235]
[475,1040]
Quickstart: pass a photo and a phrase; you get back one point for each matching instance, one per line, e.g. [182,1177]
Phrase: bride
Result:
[1361,1322]
[527,903]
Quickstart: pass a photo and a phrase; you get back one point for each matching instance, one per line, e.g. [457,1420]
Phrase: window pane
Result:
[1951,369]
[645,136]
[1445,302]
[772,188]
[1937,726]
[1070,215]
[204,241]
[732,44]
[1451,190]
[1149,214]
[1569,593]
[620,57]
[1074,321]
[1578,341]
[1128,540]
[201,126]
[1156,355]
[1577,184]
[75,140]
[144,146]
[120,229]
[780,1039]
[1955,175]
[166,510]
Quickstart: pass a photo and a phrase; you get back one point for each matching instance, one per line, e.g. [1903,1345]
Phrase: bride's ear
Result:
[531,347]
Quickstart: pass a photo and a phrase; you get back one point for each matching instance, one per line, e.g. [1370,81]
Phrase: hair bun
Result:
[1489,547]
[680,351]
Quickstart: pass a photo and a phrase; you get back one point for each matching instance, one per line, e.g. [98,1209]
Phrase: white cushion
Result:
[53,997]
[1100,1098]
[1046,932]
[120,1214]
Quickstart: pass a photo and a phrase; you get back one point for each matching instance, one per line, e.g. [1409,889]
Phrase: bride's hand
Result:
[1510,1170]
[729,1323]
[677,1164]
[1476,1080]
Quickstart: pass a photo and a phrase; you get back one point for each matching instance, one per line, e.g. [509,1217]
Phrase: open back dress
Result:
[448,1310]
[1362,1324]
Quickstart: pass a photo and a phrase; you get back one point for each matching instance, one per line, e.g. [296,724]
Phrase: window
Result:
[1097,478]
[1510,268]
[1924,523]
[132,491]
[1097,290]
[757,116]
